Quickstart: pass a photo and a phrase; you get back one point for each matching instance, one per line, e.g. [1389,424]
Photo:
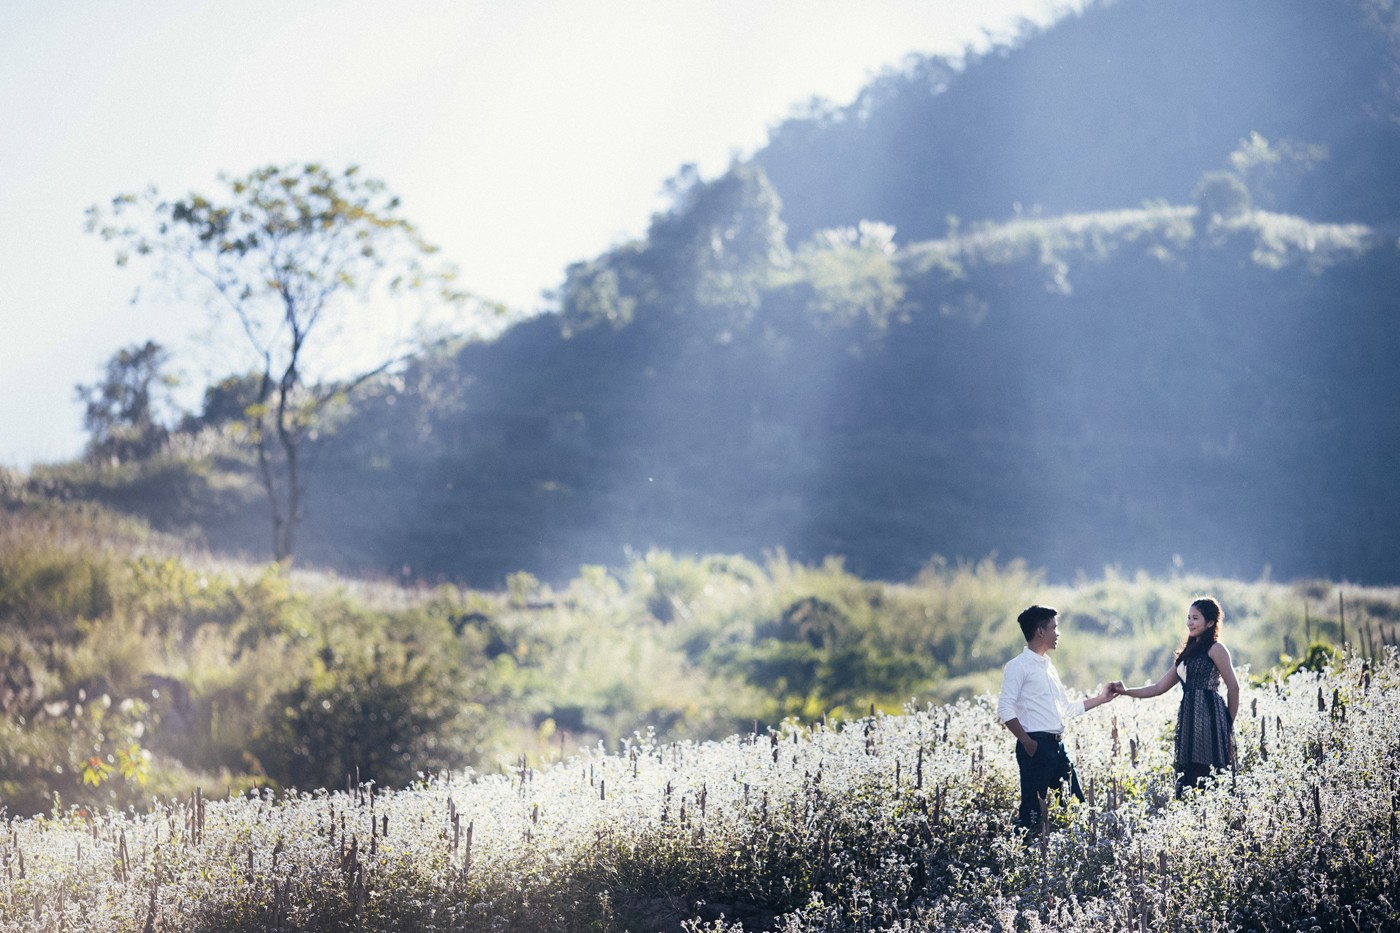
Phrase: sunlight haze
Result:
[521,136]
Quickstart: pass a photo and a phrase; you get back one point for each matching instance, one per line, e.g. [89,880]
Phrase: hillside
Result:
[1136,403]
[1128,102]
[1137,308]
[133,669]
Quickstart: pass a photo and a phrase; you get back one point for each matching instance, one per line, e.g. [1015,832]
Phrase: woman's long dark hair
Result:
[1199,644]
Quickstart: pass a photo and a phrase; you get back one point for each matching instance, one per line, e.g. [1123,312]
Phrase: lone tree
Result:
[290,252]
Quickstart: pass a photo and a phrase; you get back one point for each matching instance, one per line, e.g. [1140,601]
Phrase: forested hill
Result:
[1125,293]
[1130,102]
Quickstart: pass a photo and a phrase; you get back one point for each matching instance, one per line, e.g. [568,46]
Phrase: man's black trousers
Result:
[1048,770]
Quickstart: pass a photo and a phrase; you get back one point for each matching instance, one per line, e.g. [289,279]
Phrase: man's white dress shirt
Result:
[1032,693]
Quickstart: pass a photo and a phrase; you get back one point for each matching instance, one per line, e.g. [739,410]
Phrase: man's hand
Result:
[1117,688]
[1030,745]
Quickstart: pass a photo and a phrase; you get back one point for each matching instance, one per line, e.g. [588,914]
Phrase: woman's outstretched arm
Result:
[1169,680]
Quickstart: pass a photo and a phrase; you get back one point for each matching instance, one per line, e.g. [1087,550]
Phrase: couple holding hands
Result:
[1034,706]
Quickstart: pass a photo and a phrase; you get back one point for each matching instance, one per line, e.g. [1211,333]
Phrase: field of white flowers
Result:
[884,823]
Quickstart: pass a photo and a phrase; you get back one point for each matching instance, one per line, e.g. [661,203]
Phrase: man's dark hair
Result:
[1032,618]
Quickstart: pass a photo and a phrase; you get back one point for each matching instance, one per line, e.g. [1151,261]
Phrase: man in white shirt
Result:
[1034,706]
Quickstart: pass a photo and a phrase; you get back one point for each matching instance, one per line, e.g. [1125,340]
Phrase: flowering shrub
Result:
[890,822]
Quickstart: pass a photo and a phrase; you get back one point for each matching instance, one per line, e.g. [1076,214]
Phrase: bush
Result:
[388,720]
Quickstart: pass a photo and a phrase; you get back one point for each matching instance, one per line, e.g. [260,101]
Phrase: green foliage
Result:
[49,593]
[386,719]
[852,400]
[127,414]
[191,485]
[858,410]
[1032,123]
[230,400]
[1320,658]
[852,275]
[721,240]
[283,250]
[188,674]
[156,674]
[713,254]
[523,587]
[591,295]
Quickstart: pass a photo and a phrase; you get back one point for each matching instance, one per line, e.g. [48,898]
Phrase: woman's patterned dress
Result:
[1203,724]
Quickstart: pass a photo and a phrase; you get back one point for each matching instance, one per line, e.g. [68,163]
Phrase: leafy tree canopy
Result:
[718,246]
[282,249]
[125,414]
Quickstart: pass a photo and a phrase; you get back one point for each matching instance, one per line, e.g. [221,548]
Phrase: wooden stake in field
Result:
[1342,618]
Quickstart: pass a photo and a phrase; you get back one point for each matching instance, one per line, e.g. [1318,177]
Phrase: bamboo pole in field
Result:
[467,857]
[1342,618]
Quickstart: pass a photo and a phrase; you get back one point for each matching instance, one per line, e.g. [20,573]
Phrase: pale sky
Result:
[521,135]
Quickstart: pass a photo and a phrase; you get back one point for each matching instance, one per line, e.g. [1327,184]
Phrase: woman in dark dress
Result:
[1205,740]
